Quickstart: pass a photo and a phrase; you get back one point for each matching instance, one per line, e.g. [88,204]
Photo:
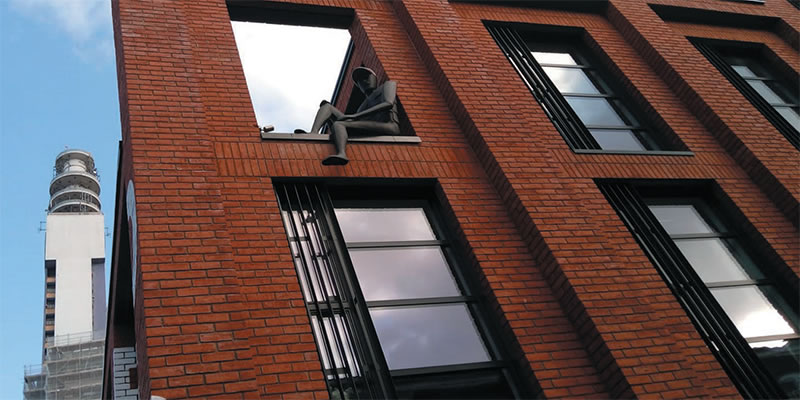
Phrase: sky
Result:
[58,89]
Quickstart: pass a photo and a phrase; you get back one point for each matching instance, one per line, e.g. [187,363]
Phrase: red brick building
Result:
[589,199]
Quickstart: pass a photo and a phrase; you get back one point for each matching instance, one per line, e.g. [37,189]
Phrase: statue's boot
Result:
[300,131]
[335,159]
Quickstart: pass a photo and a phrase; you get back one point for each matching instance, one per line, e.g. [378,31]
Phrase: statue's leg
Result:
[340,137]
[325,113]
[340,142]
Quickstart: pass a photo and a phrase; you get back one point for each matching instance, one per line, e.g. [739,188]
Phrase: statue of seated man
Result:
[376,116]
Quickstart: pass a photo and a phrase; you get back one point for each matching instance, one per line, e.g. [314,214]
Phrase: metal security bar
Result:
[327,292]
[563,117]
[769,112]
[722,337]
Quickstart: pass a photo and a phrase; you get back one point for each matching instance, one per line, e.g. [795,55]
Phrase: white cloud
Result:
[86,22]
[289,70]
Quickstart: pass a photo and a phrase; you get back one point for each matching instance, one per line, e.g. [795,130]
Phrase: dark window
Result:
[579,97]
[391,312]
[747,317]
[772,93]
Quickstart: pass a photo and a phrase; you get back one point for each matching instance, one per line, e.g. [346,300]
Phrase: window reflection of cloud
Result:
[595,111]
[712,260]
[680,219]
[570,80]
[372,225]
[391,274]
[428,336]
[751,312]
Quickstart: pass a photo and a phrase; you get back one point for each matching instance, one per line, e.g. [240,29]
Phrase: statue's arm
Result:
[389,98]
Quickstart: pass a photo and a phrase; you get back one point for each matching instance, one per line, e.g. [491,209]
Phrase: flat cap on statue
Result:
[361,73]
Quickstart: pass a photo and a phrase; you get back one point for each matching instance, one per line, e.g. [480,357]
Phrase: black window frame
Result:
[375,375]
[719,52]
[516,40]
[631,200]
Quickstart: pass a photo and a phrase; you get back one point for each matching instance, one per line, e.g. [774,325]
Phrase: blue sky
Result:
[58,89]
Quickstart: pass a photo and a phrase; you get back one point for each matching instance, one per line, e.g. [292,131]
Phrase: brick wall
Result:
[124,363]
[218,308]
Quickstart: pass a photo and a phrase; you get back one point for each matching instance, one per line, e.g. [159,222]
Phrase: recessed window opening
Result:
[756,72]
[584,101]
[723,277]
[381,331]
[289,70]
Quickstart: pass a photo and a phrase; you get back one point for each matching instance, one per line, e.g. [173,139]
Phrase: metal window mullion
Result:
[766,338]
[710,235]
[449,368]
[312,291]
[362,322]
[420,302]
[613,127]
[395,244]
[742,283]
[321,237]
[580,66]
[591,95]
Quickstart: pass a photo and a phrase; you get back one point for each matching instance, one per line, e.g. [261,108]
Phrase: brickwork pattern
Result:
[219,311]
[124,363]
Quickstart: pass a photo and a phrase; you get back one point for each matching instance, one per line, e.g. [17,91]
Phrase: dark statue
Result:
[376,116]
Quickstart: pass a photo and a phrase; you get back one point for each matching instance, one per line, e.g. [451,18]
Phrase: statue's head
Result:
[365,79]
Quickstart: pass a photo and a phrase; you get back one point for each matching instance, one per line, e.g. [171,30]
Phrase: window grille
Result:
[713,323]
[783,113]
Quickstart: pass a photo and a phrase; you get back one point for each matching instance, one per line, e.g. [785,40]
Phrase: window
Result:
[579,98]
[391,312]
[749,320]
[775,97]
[287,79]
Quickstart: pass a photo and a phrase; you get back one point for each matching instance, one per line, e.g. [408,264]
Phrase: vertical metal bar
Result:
[365,329]
[313,214]
[311,291]
[769,112]
[346,291]
[561,113]
[711,320]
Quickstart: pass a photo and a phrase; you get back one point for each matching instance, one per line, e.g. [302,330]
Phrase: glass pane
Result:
[782,359]
[781,90]
[595,111]
[384,224]
[790,116]
[408,273]
[713,261]
[766,92]
[570,80]
[413,337]
[317,268]
[751,312]
[617,139]
[553,58]
[744,71]
[336,350]
[680,219]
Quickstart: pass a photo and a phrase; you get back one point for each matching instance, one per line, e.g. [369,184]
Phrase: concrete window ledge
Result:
[326,138]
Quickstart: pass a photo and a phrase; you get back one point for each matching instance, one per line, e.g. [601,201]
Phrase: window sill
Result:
[636,153]
[326,138]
